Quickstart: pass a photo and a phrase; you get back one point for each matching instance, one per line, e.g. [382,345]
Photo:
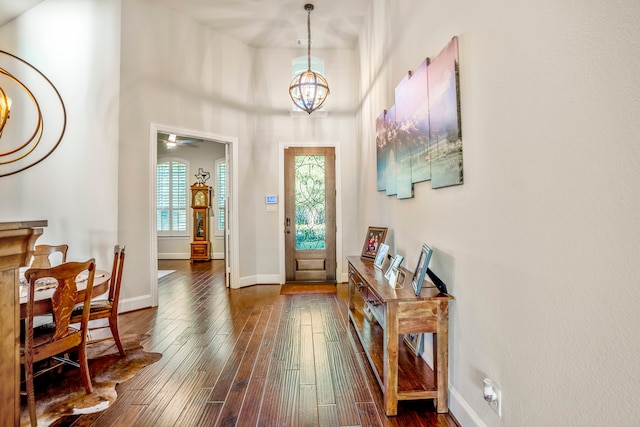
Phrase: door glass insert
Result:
[310,202]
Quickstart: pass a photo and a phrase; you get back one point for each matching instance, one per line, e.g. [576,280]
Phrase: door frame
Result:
[281,242]
[232,235]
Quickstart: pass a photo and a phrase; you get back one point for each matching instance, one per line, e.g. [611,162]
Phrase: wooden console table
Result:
[17,240]
[401,374]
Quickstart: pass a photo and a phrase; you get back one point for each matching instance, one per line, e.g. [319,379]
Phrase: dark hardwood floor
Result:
[249,357]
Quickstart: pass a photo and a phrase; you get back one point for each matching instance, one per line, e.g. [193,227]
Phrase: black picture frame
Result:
[421,269]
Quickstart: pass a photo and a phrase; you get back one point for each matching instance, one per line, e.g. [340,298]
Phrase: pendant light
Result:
[309,90]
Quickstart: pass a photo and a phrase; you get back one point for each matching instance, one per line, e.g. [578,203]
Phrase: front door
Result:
[310,214]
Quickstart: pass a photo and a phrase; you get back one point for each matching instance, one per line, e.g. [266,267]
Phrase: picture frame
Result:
[393,267]
[393,277]
[415,343]
[381,256]
[421,269]
[374,238]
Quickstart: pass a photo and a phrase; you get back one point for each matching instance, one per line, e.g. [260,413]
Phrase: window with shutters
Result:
[172,198]
[221,195]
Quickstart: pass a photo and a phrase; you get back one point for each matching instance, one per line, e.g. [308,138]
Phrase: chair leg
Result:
[84,368]
[113,325]
[31,399]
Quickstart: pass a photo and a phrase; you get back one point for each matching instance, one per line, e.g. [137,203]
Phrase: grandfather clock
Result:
[200,202]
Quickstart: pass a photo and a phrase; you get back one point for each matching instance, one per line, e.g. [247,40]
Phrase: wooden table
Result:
[400,374]
[42,304]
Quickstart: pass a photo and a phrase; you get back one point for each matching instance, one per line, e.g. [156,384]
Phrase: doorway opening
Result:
[189,148]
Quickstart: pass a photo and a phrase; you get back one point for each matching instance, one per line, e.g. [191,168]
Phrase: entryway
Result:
[310,214]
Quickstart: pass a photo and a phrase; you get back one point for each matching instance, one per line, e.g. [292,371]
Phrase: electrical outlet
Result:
[496,405]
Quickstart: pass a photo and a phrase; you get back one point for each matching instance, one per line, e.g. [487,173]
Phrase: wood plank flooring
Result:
[249,357]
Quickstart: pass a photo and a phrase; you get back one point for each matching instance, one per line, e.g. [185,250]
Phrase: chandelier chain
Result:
[309,38]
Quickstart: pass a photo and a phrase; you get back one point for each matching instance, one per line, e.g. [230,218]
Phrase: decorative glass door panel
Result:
[309,202]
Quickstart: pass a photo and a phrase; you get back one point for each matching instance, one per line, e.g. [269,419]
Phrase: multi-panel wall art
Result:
[418,139]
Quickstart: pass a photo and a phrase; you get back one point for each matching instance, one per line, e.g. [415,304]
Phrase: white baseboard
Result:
[216,255]
[263,279]
[174,256]
[137,303]
[461,410]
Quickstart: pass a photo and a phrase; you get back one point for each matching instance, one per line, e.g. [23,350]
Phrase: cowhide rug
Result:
[60,394]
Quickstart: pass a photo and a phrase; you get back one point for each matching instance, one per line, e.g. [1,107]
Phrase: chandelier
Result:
[309,90]
[28,141]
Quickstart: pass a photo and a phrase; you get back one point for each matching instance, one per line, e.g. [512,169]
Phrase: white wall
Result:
[76,45]
[539,245]
[180,74]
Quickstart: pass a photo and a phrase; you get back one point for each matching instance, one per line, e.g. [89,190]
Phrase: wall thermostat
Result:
[271,200]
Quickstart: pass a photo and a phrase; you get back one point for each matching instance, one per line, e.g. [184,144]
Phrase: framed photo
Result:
[381,256]
[393,277]
[375,237]
[421,269]
[414,342]
[393,267]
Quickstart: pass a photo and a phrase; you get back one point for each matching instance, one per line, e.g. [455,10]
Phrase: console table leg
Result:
[441,359]
[391,360]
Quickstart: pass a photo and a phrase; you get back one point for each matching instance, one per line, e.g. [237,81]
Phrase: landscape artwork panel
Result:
[403,136]
[391,170]
[416,123]
[381,153]
[445,143]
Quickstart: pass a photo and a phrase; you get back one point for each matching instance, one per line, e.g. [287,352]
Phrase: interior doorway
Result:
[189,142]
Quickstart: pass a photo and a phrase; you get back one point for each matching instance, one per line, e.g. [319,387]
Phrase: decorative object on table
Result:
[415,343]
[63,398]
[37,111]
[202,176]
[309,90]
[419,138]
[382,255]
[421,269]
[396,278]
[374,238]
[200,203]
[393,267]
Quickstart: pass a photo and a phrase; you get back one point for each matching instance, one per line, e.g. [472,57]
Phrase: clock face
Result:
[199,199]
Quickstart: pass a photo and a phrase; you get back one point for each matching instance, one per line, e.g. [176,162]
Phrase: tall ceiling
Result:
[259,23]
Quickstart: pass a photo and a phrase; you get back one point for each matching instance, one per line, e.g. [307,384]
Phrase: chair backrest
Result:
[41,255]
[116,276]
[64,297]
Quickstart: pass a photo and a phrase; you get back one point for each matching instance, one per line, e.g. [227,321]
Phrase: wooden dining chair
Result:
[42,255]
[107,308]
[52,342]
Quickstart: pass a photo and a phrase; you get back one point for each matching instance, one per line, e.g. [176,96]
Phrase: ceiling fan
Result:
[172,140]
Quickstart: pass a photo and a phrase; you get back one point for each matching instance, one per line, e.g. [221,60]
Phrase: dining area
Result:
[49,307]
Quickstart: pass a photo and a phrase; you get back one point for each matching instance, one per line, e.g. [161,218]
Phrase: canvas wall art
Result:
[381,154]
[403,136]
[419,138]
[445,143]
[391,171]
